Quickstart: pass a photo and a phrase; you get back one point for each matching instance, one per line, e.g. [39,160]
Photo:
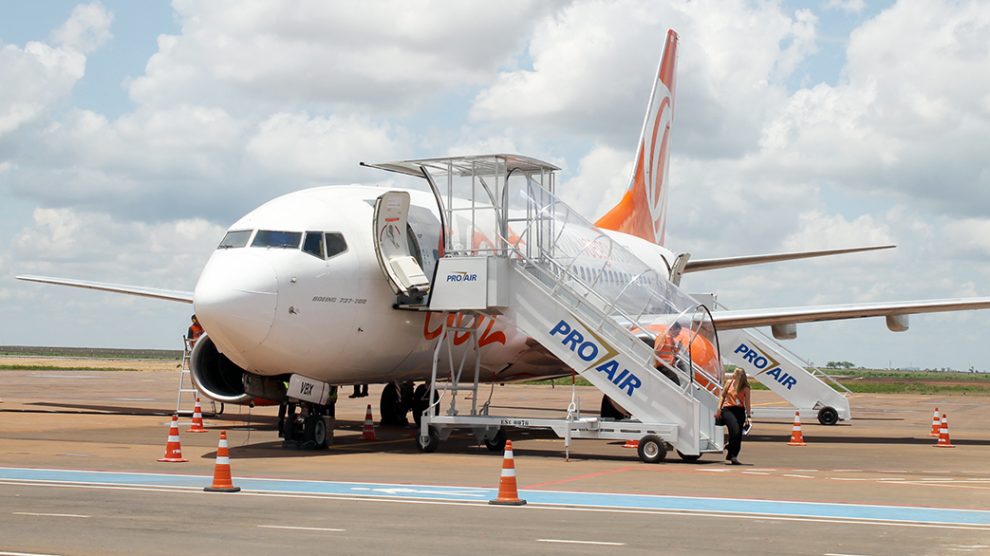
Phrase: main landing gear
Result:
[305,425]
[398,399]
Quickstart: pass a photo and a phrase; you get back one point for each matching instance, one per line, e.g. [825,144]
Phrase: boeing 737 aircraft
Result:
[334,285]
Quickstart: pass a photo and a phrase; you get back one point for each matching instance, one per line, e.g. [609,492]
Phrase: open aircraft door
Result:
[395,248]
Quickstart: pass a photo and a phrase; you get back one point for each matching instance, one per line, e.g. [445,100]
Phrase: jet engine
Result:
[217,377]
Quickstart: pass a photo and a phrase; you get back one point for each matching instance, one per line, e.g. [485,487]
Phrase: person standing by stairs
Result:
[735,411]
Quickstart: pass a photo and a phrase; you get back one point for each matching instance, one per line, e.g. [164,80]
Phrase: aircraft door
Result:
[393,247]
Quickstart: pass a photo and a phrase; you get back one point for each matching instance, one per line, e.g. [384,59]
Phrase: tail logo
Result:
[656,170]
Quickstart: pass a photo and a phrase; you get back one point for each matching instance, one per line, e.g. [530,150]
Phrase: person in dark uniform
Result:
[360,391]
[735,410]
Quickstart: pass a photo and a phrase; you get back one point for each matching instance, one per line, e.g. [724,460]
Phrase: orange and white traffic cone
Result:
[507,493]
[368,430]
[173,448]
[197,419]
[943,434]
[221,471]
[936,422]
[797,438]
[634,444]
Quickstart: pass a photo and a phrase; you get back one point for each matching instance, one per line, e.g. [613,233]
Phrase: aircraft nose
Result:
[235,299]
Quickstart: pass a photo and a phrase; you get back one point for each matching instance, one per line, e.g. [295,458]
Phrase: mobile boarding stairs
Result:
[511,247]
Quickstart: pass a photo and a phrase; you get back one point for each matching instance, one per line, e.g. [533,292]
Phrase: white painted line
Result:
[850,479]
[25,554]
[49,515]
[806,470]
[754,473]
[326,529]
[841,554]
[798,476]
[686,513]
[602,543]
[891,479]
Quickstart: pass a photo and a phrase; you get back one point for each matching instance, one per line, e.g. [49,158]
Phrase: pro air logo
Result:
[763,362]
[589,349]
[461,277]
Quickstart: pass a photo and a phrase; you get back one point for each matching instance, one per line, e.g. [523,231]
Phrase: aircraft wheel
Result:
[421,402]
[321,433]
[828,416]
[390,406]
[497,442]
[688,458]
[430,442]
[652,449]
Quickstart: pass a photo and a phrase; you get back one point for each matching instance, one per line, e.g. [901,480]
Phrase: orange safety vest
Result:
[666,348]
[195,331]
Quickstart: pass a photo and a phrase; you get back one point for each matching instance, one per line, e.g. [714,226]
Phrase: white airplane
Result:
[317,286]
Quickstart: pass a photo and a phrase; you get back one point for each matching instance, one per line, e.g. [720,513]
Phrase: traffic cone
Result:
[935,424]
[797,439]
[634,444]
[221,471]
[197,419]
[368,430]
[943,434]
[507,493]
[173,449]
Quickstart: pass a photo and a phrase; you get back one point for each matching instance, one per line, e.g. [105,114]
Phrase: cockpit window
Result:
[324,245]
[235,239]
[313,244]
[282,240]
[335,244]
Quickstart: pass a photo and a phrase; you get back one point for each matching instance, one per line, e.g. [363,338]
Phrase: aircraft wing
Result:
[749,318]
[154,293]
[727,262]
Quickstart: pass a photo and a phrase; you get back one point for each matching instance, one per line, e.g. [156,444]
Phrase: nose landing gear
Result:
[306,426]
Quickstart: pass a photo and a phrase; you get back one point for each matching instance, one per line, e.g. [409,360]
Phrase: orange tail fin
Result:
[642,211]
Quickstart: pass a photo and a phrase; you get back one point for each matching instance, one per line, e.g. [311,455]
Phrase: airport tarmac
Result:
[876,486]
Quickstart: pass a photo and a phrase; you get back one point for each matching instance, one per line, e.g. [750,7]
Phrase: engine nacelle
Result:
[215,376]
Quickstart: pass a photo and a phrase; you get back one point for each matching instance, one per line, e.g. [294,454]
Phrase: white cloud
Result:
[848,6]
[88,244]
[318,150]
[591,67]
[383,54]
[601,179]
[35,79]
[87,29]
[901,125]
[816,230]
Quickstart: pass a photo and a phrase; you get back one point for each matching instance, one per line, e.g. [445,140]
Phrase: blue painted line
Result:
[901,514]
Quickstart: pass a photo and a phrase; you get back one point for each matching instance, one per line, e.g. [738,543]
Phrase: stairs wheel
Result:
[828,416]
[652,449]
[429,443]
[688,458]
[497,443]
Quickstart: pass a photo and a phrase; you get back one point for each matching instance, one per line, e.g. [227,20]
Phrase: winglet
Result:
[642,211]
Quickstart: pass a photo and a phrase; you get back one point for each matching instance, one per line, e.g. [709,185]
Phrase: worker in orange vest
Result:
[667,347]
[194,332]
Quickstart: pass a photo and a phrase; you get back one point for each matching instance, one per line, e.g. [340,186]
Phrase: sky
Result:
[132,135]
